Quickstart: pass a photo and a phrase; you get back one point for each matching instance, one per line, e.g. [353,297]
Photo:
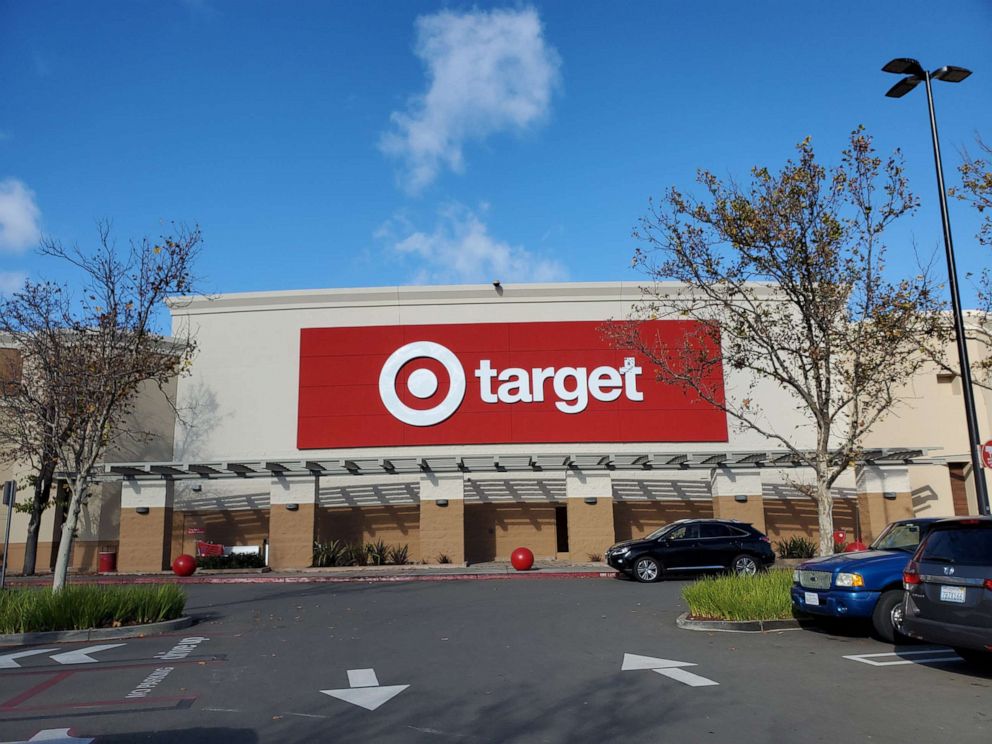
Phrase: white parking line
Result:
[925,656]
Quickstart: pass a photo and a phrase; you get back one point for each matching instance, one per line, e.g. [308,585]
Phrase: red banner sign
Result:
[483,383]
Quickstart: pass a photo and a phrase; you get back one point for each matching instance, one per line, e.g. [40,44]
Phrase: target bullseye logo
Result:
[422,383]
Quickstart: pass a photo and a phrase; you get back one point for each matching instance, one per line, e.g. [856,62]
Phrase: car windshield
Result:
[904,536]
[968,546]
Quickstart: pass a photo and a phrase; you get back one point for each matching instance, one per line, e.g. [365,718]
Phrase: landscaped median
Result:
[78,611]
[751,603]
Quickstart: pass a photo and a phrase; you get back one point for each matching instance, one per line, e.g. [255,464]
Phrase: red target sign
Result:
[481,383]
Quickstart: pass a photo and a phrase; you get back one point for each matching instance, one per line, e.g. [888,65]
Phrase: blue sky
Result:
[324,144]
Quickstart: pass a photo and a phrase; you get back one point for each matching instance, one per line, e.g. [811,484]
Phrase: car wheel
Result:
[647,569]
[981,659]
[744,565]
[887,617]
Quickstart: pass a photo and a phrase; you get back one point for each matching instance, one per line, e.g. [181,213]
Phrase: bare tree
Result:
[786,277]
[976,189]
[32,323]
[100,350]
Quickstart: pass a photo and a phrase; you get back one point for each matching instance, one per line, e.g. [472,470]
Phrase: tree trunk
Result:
[60,576]
[42,493]
[825,515]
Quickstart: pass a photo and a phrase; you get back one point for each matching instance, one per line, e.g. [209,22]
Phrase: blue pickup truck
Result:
[865,584]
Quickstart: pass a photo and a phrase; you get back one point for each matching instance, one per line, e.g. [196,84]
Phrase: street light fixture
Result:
[915,74]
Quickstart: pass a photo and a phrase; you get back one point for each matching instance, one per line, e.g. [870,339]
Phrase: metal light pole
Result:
[949,74]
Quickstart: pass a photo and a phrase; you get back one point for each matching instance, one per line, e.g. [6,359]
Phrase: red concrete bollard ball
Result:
[522,559]
[855,546]
[184,565]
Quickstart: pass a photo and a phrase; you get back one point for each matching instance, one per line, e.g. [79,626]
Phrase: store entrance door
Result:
[561,528]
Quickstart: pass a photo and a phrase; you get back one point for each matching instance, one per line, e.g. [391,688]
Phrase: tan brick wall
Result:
[394,525]
[146,540]
[636,519]
[494,531]
[234,527]
[442,531]
[786,518]
[590,527]
[751,511]
[877,511]
[291,536]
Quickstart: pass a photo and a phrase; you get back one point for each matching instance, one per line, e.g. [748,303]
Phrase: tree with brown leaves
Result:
[787,278]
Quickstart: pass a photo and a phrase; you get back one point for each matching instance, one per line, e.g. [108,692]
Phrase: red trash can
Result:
[108,561]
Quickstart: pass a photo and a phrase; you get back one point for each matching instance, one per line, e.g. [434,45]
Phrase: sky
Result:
[347,144]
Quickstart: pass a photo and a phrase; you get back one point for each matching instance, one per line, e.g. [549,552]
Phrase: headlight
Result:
[849,579]
[795,576]
[621,551]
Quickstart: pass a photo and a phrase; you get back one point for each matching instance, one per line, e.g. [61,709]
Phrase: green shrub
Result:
[399,555]
[337,553]
[797,547]
[764,596]
[378,553]
[235,560]
[88,606]
[328,553]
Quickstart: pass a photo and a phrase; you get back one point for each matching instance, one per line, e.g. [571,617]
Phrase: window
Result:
[967,546]
[685,532]
[714,530]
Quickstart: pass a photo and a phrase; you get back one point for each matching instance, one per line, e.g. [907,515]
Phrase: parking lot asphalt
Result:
[597,660]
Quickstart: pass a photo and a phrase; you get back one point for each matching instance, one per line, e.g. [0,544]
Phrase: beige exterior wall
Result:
[636,519]
[394,525]
[494,531]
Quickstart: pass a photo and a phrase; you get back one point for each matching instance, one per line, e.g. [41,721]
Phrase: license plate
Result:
[952,594]
[812,598]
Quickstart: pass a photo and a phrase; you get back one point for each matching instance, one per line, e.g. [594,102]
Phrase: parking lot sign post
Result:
[9,496]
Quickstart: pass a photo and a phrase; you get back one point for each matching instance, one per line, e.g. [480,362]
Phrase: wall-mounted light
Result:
[442,502]
[292,507]
[742,497]
[590,500]
[890,495]
[141,509]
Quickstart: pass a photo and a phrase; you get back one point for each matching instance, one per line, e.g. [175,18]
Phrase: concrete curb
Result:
[311,579]
[95,634]
[735,626]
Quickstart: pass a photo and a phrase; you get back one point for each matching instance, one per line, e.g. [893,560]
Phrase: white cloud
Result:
[19,217]
[11,281]
[487,72]
[461,250]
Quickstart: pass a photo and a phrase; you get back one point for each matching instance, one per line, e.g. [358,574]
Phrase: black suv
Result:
[948,584]
[694,545]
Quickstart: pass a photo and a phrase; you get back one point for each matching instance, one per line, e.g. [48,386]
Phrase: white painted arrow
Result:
[7,661]
[82,655]
[686,678]
[53,735]
[364,690]
[667,668]
[633,661]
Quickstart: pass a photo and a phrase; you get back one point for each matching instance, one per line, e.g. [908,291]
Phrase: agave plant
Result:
[399,555]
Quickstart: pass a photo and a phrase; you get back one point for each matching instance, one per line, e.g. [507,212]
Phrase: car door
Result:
[716,545]
[681,548]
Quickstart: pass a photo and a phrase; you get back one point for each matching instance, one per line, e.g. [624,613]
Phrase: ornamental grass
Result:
[88,606]
[764,596]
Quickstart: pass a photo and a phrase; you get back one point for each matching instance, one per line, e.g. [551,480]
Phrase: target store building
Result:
[466,421]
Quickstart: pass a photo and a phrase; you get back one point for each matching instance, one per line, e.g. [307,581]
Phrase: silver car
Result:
[948,585]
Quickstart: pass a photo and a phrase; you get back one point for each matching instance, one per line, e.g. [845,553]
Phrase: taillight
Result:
[910,577]
[988,584]
[765,539]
